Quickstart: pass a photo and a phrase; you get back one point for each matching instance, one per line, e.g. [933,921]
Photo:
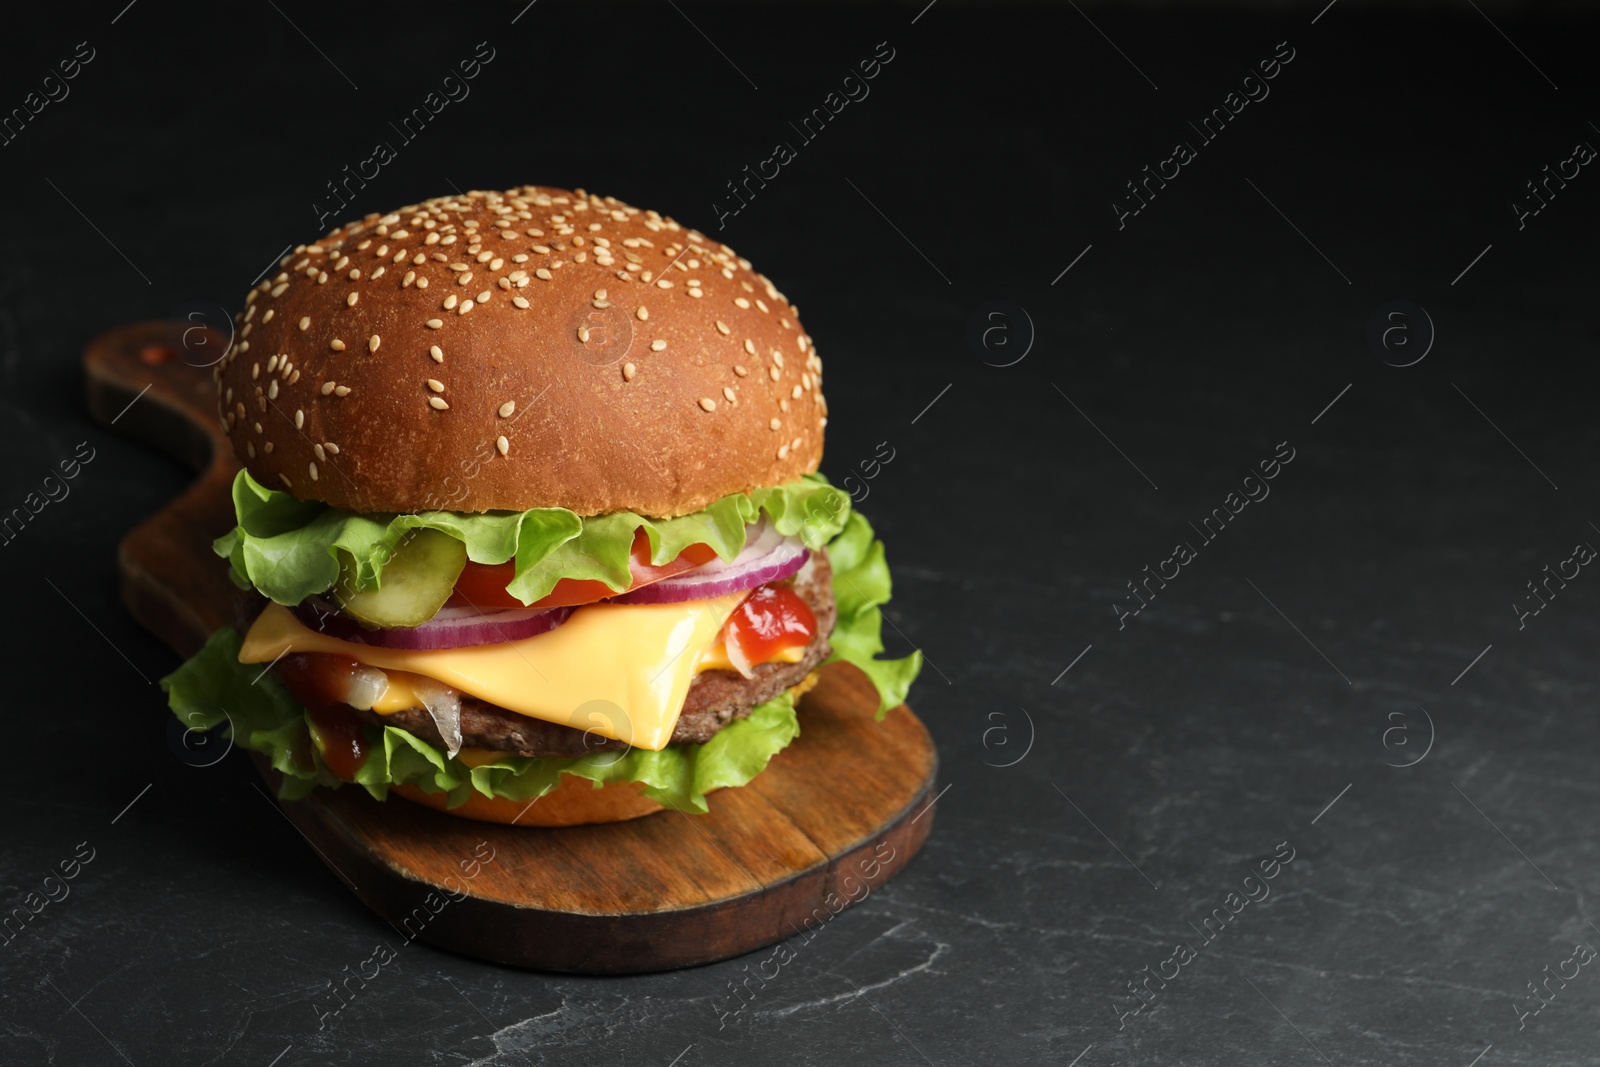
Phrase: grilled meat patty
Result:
[715,697]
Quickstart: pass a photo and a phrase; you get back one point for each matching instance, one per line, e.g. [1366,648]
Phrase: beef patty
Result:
[715,697]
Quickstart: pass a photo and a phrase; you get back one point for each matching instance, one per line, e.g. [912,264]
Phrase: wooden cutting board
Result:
[835,815]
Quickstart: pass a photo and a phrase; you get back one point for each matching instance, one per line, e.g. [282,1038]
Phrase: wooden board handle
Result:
[153,381]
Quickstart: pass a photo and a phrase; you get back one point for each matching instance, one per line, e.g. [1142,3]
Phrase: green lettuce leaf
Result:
[860,586]
[288,549]
[214,688]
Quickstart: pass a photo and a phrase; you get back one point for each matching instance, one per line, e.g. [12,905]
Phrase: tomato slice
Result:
[770,620]
[483,585]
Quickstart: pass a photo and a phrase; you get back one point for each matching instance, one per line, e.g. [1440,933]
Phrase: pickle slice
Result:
[415,583]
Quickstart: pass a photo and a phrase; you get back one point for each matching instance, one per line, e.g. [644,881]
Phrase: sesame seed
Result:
[708,404]
[777,357]
[796,393]
[775,373]
[410,277]
[272,390]
[783,453]
[507,408]
[599,294]
[643,313]
[602,303]
[322,276]
[343,390]
[327,387]
[373,342]
[250,449]
[696,293]
[277,290]
[434,324]
[520,301]
[628,371]
[742,302]
[760,305]
[543,274]
[272,364]
[286,480]
[450,302]
[749,346]
[583,334]
[658,346]
[502,444]
[740,369]
[438,403]
[321,453]
[663,284]
[728,393]
[422,283]
[333,449]
[299,418]
[268,316]
[305,323]
[774,424]
[313,468]
[350,301]
[437,353]
[722,328]
[436,385]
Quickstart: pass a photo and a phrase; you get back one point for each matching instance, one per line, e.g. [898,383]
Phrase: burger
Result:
[529,495]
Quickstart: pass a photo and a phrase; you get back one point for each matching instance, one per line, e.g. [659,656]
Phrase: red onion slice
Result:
[451,628]
[768,556]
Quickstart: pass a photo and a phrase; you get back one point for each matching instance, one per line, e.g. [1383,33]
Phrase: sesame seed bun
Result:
[532,348]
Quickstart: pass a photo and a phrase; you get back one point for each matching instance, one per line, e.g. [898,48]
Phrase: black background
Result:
[1196,739]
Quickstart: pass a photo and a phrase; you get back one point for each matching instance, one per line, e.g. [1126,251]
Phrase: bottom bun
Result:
[573,802]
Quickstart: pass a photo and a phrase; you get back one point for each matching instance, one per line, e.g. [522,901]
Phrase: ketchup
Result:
[320,682]
[771,619]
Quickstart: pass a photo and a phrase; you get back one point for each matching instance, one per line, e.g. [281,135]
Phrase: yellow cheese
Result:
[400,694]
[716,658]
[619,670]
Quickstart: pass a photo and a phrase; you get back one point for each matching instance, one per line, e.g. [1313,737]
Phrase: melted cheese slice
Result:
[716,658]
[619,670]
[401,691]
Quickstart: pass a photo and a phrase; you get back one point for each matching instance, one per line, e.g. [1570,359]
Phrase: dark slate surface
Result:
[1255,701]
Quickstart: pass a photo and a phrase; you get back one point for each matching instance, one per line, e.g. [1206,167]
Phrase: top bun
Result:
[612,360]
